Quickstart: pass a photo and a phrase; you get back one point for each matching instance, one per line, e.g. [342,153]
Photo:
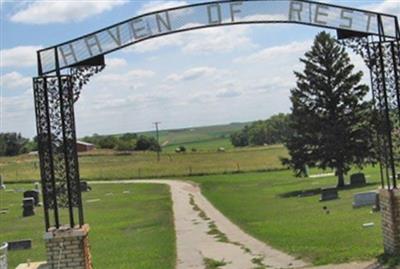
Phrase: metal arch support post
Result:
[55,121]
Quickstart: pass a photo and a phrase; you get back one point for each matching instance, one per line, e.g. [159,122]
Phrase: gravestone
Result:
[93,201]
[377,206]
[3,211]
[85,186]
[37,187]
[32,194]
[2,185]
[365,199]
[20,245]
[357,179]
[28,204]
[329,194]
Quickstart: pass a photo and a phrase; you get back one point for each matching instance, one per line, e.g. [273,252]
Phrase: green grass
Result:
[263,204]
[145,165]
[127,230]
[213,264]
[299,226]
[210,145]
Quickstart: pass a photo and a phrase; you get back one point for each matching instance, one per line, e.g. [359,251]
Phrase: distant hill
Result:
[200,138]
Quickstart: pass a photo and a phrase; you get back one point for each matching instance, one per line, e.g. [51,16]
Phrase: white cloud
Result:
[193,73]
[116,63]
[22,56]
[130,79]
[291,50]
[18,114]
[387,6]
[159,5]
[15,80]
[204,41]
[43,12]
[228,93]
[265,17]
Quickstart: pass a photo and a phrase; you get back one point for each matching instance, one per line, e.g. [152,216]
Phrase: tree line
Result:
[12,144]
[267,132]
[124,142]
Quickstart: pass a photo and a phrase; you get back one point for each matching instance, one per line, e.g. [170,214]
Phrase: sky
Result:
[203,77]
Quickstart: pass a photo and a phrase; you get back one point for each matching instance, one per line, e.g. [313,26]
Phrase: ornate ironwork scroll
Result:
[81,76]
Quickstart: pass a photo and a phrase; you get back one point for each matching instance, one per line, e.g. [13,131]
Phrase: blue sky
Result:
[204,77]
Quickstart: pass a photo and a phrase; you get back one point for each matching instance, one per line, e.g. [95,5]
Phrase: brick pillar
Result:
[68,248]
[390,207]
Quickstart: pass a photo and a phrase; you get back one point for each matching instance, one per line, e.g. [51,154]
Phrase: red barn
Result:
[84,146]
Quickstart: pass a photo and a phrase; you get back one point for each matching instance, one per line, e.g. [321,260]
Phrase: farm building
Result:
[84,146]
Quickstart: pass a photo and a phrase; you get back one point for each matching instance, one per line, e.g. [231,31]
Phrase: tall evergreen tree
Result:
[329,121]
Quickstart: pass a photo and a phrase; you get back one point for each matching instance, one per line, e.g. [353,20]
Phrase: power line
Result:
[158,139]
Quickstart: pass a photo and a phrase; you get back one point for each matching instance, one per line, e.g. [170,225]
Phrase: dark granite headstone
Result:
[28,205]
[365,199]
[20,245]
[357,179]
[85,186]
[329,194]
[32,194]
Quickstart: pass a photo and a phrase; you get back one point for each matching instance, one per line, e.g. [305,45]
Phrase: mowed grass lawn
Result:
[260,203]
[108,166]
[300,226]
[131,230]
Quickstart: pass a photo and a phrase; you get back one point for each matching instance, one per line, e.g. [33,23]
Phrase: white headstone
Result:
[365,199]
[2,186]
[37,186]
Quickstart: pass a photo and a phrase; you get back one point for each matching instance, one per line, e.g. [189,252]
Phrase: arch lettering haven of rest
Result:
[214,14]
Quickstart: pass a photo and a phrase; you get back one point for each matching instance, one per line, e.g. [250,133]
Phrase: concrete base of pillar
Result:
[390,208]
[68,248]
[34,265]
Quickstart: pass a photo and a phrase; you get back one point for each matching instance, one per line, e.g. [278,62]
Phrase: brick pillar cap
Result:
[65,232]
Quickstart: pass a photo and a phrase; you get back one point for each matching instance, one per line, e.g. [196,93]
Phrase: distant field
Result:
[200,138]
[266,206]
[106,165]
[203,145]
[128,231]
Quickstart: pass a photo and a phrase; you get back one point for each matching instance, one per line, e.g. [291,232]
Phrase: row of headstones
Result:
[360,199]
[332,193]
[31,199]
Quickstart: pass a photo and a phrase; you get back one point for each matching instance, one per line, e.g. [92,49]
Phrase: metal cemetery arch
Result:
[65,68]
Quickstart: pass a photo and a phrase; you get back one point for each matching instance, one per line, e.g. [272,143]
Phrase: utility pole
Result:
[158,140]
